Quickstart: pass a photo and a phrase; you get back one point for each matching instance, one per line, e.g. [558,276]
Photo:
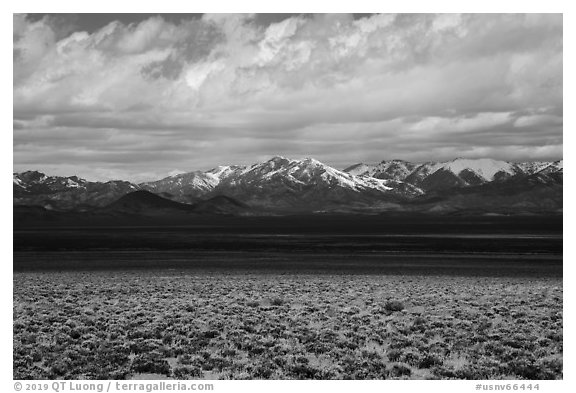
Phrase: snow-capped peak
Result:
[279,158]
[532,167]
[392,169]
[218,170]
[359,169]
[72,183]
[312,161]
[221,172]
[484,167]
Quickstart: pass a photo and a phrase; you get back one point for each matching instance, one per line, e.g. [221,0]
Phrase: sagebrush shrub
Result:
[393,305]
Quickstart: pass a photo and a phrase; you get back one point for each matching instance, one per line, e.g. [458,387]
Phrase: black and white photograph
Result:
[304,196]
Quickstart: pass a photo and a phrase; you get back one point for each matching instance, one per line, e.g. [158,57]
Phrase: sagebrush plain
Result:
[117,325]
[292,298]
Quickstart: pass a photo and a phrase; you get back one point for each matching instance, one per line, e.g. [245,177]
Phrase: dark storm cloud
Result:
[94,21]
[140,96]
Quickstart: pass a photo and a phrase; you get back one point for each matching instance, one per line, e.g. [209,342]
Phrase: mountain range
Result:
[281,185]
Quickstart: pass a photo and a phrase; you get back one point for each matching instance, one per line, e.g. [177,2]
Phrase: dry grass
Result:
[116,325]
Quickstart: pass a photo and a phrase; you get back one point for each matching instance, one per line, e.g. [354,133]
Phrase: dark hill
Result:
[220,204]
[31,213]
[146,203]
[534,194]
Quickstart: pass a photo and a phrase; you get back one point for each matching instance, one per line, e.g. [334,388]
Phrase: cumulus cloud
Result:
[139,100]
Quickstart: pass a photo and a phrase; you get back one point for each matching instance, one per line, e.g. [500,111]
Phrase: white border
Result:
[56,6]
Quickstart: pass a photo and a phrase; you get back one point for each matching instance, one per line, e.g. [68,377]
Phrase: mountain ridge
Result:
[307,184]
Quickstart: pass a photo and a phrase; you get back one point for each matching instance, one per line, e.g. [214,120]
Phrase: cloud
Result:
[342,89]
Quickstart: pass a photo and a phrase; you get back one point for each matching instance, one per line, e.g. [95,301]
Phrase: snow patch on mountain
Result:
[393,169]
[484,167]
[532,167]
[17,181]
[222,172]
[72,183]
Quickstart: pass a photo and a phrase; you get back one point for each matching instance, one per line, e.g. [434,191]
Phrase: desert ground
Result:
[291,298]
[202,325]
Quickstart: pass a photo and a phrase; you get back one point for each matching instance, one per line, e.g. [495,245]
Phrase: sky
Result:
[140,96]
